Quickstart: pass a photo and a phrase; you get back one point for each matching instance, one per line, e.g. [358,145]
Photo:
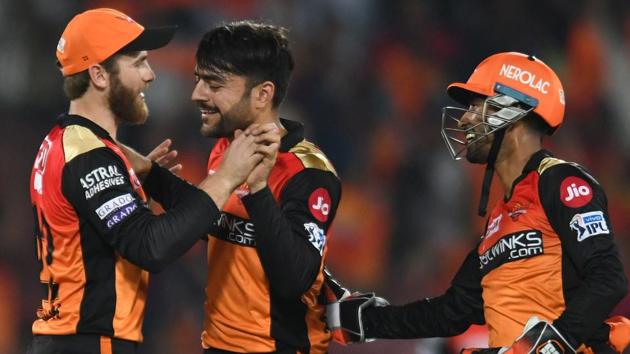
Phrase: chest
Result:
[517,230]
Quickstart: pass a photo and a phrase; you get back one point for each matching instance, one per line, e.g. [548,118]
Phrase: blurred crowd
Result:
[369,85]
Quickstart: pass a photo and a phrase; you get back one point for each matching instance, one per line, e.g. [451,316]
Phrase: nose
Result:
[200,92]
[467,119]
[148,75]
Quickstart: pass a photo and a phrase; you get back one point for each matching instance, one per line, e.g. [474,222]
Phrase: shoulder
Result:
[311,157]
[78,140]
[568,182]
[553,169]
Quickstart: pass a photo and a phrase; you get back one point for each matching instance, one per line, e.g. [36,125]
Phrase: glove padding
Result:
[480,351]
[345,317]
[539,337]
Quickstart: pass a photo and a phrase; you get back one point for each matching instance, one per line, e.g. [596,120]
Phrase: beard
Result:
[127,105]
[479,151]
[224,124]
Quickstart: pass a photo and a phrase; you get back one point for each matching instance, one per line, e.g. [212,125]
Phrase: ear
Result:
[262,94]
[98,76]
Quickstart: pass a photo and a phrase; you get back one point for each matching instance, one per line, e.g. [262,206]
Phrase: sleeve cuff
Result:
[151,179]
[261,199]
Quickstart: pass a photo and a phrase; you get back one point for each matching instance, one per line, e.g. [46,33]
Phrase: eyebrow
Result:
[211,77]
[140,58]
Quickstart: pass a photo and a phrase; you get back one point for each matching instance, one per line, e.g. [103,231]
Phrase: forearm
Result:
[290,262]
[166,188]
[151,241]
[590,304]
[421,319]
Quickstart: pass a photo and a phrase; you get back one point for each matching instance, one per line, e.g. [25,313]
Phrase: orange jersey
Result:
[88,288]
[266,253]
[547,251]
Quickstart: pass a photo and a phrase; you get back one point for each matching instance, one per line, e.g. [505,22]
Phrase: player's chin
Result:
[210,131]
[476,155]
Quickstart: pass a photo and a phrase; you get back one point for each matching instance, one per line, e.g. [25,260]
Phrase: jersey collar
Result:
[535,160]
[73,119]
[531,165]
[295,134]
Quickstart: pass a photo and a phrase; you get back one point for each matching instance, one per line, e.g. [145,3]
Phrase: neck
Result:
[268,117]
[513,156]
[95,109]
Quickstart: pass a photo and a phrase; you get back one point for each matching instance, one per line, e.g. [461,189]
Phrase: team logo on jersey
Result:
[575,192]
[319,204]
[316,236]
[100,179]
[589,224]
[517,210]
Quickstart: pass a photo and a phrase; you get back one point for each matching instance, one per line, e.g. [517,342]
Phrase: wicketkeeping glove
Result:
[345,317]
[539,337]
[344,311]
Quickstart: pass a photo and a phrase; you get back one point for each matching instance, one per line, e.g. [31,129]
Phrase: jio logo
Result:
[319,204]
[575,192]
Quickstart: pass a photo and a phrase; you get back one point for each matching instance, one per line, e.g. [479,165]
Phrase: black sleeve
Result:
[290,237]
[593,276]
[98,186]
[444,316]
[166,188]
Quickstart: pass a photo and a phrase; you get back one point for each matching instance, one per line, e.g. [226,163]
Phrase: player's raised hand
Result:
[164,156]
[267,139]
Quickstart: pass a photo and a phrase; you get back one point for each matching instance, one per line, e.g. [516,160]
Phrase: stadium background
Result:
[369,84]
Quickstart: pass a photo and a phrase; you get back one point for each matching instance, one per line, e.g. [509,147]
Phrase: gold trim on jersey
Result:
[78,140]
[312,157]
[548,162]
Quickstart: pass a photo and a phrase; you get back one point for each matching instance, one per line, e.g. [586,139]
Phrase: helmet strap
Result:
[487,178]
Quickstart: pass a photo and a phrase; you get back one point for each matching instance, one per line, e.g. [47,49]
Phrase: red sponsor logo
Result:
[575,192]
[319,204]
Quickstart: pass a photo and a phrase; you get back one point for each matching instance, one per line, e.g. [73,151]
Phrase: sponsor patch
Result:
[589,224]
[511,247]
[493,226]
[316,236]
[319,204]
[40,165]
[135,182]
[121,214]
[525,77]
[114,204]
[100,179]
[575,192]
[236,230]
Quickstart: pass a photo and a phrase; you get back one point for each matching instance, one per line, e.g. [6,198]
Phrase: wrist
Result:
[224,181]
[257,187]
[145,169]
